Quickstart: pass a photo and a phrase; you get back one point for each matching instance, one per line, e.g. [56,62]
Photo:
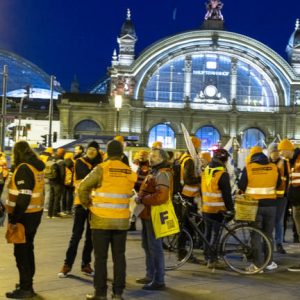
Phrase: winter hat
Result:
[93,144]
[196,142]
[114,148]
[273,147]
[157,145]
[285,144]
[255,150]
[49,150]
[119,138]
[206,156]
[60,151]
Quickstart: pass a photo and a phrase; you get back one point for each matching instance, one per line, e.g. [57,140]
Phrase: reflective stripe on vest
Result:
[261,191]
[211,194]
[36,194]
[110,205]
[111,195]
[214,204]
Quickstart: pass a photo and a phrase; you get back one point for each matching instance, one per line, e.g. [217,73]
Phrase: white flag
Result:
[230,165]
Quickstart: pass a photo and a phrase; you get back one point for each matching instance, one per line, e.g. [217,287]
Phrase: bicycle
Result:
[234,243]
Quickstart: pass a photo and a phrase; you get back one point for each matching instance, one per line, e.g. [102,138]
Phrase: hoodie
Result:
[24,180]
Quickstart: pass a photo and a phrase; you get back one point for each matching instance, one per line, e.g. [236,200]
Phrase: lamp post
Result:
[118,106]
[52,78]
[3,110]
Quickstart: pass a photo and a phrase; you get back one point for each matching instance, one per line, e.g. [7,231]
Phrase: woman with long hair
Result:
[25,205]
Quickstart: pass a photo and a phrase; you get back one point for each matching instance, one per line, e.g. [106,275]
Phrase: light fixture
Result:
[118,102]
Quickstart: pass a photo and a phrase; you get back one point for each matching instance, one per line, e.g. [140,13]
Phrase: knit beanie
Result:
[114,148]
[255,150]
[273,147]
[93,144]
[196,142]
[119,138]
[285,144]
[60,151]
[157,145]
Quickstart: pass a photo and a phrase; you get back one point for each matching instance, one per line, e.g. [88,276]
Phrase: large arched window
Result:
[209,136]
[86,127]
[210,81]
[163,133]
[252,137]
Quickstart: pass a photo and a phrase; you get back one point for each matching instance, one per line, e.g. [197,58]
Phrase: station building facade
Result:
[219,84]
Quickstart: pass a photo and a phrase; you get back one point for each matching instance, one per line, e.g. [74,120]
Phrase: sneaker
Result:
[144,280]
[294,268]
[272,266]
[95,297]
[153,286]
[61,214]
[253,268]
[65,270]
[280,249]
[87,270]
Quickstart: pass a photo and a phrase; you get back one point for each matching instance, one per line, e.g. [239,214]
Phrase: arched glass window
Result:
[209,136]
[210,81]
[252,137]
[86,127]
[163,133]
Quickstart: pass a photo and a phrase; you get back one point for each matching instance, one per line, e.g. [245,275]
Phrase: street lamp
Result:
[118,106]
[3,109]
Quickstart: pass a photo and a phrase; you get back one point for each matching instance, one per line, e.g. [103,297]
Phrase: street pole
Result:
[3,110]
[118,106]
[52,78]
[117,125]
[20,118]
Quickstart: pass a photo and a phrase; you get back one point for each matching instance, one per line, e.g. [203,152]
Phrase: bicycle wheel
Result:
[174,256]
[241,248]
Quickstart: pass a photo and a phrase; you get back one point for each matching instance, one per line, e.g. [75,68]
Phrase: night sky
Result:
[68,37]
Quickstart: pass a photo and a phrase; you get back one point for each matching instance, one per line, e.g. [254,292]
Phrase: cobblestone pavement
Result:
[192,281]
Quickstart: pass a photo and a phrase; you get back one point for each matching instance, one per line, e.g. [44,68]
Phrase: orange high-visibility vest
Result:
[295,173]
[37,194]
[212,200]
[262,180]
[111,200]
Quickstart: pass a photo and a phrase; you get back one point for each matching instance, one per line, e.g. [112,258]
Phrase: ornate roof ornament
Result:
[214,10]
[297,24]
[128,14]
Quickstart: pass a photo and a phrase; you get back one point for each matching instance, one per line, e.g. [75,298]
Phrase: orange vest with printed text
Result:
[111,200]
[262,180]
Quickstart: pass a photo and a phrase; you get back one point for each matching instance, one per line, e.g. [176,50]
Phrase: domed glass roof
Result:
[21,74]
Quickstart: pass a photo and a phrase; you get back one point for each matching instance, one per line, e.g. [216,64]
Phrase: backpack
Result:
[51,169]
[177,187]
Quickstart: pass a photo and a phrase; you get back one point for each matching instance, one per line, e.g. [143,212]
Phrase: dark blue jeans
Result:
[81,219]
[265,221]
[279,221]
[117,240]
[155,263]
[212,230]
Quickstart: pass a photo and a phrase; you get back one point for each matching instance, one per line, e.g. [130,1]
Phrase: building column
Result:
[233,80]
[187,77]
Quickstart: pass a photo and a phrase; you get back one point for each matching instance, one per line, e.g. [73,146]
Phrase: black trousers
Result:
[117,240]
[24,253]
[55,199]
[81,219]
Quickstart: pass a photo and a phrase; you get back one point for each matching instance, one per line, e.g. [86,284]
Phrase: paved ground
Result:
[190,282]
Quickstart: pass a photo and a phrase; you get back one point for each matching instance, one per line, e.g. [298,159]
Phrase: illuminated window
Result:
[162,133]
[172,82]
[252,137]
[209,136]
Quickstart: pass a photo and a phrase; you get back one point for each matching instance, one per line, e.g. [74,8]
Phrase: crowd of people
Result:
[97,189]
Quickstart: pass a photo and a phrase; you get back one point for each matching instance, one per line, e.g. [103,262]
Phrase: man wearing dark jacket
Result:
[259,180]
[25,206]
